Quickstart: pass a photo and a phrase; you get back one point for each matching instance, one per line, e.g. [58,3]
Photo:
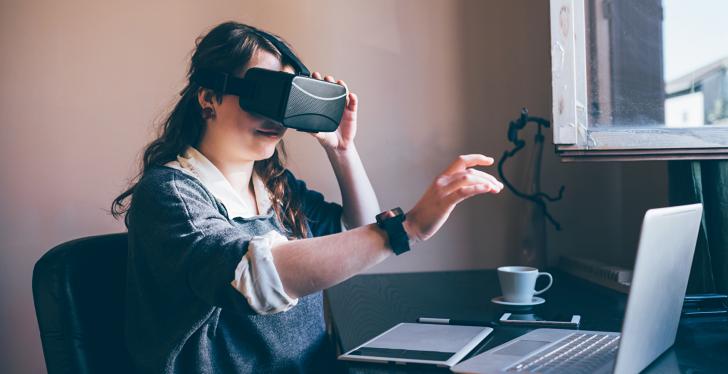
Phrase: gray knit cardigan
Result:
[182,314]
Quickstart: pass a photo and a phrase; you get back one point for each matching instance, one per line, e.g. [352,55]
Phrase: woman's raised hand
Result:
[458,182]
[340,139]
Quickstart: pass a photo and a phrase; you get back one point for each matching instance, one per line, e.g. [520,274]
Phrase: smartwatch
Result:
[391,222]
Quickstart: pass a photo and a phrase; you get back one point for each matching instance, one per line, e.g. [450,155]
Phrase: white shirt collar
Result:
[197,165]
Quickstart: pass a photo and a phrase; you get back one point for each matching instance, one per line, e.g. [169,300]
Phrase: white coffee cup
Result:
[518,283]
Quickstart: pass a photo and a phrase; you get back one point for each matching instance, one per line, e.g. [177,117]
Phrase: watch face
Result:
[387,214]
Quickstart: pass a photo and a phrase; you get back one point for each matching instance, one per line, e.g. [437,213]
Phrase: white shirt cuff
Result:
[257,279]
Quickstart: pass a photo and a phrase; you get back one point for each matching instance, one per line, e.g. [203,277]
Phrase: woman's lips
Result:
[272,133]
[270,129]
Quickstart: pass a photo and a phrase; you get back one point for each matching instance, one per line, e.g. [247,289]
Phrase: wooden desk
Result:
[367,305]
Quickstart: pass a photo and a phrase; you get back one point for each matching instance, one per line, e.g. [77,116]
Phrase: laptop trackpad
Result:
[521,348]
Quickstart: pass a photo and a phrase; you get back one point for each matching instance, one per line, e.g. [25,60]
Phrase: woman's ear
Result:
[207,107]
[204,97]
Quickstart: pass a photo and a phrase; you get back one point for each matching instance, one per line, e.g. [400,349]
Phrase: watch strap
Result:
[391,221]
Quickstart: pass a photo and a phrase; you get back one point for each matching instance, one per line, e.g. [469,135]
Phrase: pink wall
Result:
[82,82]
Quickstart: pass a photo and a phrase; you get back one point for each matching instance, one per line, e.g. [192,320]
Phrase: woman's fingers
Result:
[487,176]
[353,102]
[327,78]
[351,99]
[467,161]
[467,192]
[451,184]
[343,84]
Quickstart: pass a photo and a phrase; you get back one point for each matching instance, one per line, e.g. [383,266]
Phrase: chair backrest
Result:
[79,289]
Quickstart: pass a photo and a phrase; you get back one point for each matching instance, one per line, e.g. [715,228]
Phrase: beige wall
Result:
[81,83]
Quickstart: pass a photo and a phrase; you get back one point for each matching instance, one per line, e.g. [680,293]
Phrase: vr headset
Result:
[296,101]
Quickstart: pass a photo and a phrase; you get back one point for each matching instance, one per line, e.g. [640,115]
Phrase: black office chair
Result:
[79,290]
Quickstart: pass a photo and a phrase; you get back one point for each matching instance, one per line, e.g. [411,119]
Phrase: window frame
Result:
[576,141]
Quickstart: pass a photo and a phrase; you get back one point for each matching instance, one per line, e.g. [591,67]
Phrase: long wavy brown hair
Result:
[227,48]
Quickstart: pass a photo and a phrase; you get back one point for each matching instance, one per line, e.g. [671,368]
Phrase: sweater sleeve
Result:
[324,218]
[187,241]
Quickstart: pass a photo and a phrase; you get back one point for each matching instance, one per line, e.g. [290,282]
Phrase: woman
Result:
[229,252]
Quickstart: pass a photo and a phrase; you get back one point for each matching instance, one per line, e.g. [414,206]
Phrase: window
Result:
[643,79]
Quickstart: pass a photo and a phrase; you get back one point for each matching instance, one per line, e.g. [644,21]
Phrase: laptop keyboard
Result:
[578,353]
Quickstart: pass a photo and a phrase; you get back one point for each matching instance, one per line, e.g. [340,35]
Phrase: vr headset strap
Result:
[301,69]
[224,83]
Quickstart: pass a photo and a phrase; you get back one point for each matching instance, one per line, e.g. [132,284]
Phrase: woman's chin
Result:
[265,153]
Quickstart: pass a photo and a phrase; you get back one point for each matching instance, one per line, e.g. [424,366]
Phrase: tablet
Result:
[420,343]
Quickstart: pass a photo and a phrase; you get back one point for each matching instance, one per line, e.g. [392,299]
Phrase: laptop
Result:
[665,254]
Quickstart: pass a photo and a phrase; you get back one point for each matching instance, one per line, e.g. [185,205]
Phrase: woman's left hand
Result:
[343,137]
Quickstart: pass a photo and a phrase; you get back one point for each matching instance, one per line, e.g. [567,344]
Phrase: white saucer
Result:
[534,301]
